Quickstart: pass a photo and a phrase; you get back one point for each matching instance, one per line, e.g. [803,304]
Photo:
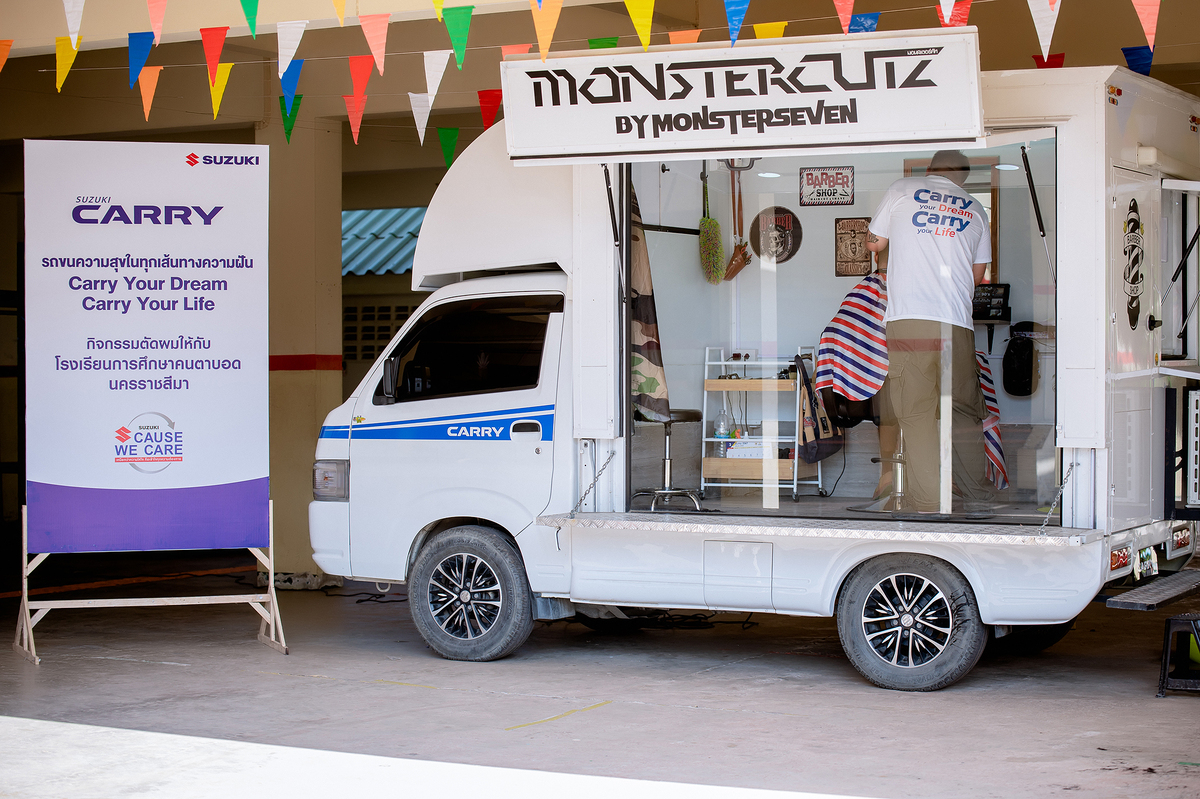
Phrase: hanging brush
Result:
[712,253]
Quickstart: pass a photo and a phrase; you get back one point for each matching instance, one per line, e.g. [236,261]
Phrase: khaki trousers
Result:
[913,391]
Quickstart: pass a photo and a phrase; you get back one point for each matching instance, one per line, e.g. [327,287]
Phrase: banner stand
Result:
[270,629]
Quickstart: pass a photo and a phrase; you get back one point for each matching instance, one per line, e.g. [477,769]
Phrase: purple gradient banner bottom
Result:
[70,519]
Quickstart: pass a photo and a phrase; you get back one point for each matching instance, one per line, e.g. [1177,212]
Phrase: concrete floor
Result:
[774,706]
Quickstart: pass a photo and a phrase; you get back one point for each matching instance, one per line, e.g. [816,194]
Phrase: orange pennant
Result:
[355,105]
[148,82]
[845,10]
[545,20]
[1147,11]
[5,46]
[513,49]
[684,37]
[375,28]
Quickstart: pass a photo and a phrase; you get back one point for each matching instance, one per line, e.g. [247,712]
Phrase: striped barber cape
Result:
[852,360]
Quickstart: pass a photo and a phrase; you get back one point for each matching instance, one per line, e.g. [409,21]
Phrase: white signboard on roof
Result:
[884,90]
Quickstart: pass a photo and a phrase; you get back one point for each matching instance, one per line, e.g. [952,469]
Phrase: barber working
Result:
[939,244]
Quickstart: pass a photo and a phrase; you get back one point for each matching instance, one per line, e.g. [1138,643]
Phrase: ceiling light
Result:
[1007,167]
[768,174]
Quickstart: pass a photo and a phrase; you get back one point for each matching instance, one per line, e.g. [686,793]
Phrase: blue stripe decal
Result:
[495,426]
[335,432]
[537,409]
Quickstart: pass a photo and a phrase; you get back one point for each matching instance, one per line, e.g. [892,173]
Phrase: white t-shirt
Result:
[936,232]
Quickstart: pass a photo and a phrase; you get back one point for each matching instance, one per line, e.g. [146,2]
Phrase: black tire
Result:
[910,622]
[1029,639]
[497,615]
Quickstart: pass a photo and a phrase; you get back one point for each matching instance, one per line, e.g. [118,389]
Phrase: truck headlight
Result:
[331,481]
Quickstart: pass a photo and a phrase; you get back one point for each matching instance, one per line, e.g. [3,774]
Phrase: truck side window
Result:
[473,346]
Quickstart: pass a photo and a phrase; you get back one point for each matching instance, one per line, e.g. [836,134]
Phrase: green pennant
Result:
[289,120]
[250,9]
[448,137]
[458,24]
[603,43]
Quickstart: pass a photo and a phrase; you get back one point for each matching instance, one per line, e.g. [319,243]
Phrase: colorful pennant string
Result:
[1045,17]
[845,12]
[148,83]
[864,23]
[458,25]
[287,35]
[1139,59]
[641,12]
[250,11]
[1053,61]
[74,12]
[958,16]
[435,68]
[1147,11]
[355,105]
[514,49]
[420,108]
[64,57]
[545,20]
[291,80]
[945,10]
[375,28]
[437,8]
[288,110]
[5,46]
[339,8]
[157,9]
[735,14]
[603,43]
[217,89]
[360,72]
[449,140]
[769,30]
[214,42]
[684,37]
[139,51]
[489,104]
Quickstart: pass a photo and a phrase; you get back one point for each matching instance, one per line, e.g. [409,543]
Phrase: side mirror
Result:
[390,367]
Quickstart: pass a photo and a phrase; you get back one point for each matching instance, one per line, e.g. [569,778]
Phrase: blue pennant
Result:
[863,23]
[289,81]
[139,51]
[735,13]
[1139,58]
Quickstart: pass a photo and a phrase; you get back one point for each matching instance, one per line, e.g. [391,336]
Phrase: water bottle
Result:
[723,429]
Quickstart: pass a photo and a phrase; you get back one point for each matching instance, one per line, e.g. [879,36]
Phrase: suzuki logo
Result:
[123,434]
[192,159]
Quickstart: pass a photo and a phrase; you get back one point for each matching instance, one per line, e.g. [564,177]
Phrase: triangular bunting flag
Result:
[64,57]
[214,41]
[355,105]
[545,20]
[458,25]
[945,10]
[360,72]
[287,35]
[420,108]
[769,30]
[1045,17]
[735,13]
[864,23]
[684,37]
[641,12]
[489,104]
[288,109]
[845,11]
[512,49]
[339,8]
[449,140]
[74,11]
[290,80]
[5,46]
[1052,61]
[250,10]
[139,50]
[958,17]
[217,89]
[1139,58]
[148,82]
[437,8]
[603,43]
[435,67]
[1147,11]
[157,9]
[375,28]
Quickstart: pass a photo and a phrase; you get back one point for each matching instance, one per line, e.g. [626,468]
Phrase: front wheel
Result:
[469,596]
[910,622]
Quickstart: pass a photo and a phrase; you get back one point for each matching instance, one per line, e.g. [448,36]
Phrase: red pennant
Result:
[489,104]
[214,40]
[355,105]
[1054,61]
[360,72]
[958,17]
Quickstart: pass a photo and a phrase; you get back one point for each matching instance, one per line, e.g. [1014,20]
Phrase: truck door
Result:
[468,430]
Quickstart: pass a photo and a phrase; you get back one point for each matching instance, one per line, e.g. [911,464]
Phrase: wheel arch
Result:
[447,523]
[856,556]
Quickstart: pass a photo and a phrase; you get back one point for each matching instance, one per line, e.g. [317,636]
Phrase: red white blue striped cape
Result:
[852,360]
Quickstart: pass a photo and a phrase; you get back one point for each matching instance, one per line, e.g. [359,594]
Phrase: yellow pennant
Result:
[641,12]
[545,20]
[64,57]
[769,30]
[437,7]
[217,90]
[339,8]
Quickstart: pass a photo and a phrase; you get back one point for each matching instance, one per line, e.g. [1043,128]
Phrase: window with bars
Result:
[362,334]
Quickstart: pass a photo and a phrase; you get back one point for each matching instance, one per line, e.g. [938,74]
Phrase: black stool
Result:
[667,491]
[1184,677]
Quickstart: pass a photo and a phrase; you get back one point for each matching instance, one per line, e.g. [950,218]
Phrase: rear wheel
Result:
[910,622]
[469,595]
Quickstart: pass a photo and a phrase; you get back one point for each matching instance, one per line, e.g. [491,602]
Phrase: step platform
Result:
[1162,591]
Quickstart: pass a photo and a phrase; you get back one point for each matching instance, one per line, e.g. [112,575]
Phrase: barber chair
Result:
[667,491]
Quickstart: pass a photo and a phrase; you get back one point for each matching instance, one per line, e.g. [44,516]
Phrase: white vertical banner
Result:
[146,345]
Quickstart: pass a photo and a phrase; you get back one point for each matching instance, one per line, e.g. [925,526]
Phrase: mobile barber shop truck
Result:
[488,459]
